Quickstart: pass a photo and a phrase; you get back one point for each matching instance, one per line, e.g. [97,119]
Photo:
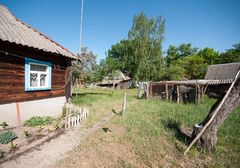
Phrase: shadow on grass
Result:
[174,126]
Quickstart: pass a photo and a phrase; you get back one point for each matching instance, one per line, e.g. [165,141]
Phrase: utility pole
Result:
[81,27]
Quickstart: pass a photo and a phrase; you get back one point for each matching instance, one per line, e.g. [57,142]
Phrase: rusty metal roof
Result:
[15,31]
[222,72]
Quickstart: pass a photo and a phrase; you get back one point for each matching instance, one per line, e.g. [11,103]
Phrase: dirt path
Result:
[47,154]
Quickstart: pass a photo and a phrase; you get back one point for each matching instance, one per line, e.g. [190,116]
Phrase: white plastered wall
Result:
[28,109]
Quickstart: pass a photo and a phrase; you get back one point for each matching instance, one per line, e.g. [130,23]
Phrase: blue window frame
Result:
[37,75]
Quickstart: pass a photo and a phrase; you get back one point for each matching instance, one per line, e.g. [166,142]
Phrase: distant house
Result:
[34,71]
[118,81]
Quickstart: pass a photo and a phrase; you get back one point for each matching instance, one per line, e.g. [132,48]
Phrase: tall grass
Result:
[158,130]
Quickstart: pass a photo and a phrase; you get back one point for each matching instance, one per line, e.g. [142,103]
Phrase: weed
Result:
[38,121]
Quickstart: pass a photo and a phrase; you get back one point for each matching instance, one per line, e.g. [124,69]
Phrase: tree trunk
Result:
[208,140]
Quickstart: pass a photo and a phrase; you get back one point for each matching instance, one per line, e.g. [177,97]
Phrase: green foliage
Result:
[140,56]
[231,55]
[174,72]
[86,69]
[209,55]
[7,137]
[195,67]
[191,62]
[38,121]
[180,52]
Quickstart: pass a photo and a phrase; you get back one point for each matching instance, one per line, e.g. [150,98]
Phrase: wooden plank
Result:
[10,66]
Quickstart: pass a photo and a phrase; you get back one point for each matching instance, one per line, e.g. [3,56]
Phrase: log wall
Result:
[12,74]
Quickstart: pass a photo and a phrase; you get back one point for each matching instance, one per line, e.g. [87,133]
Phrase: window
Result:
[37,75]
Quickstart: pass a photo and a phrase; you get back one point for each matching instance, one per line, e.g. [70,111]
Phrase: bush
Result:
[38,121]
[7,137]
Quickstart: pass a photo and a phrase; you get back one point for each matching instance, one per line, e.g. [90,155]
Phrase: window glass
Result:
[35,67]
[43,79]
[33,79]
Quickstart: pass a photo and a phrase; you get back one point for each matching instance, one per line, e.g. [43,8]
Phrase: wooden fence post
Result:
[166,90]
[178,95]
[124,103]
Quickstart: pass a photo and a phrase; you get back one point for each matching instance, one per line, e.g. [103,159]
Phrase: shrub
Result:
[38,121]
[7,137]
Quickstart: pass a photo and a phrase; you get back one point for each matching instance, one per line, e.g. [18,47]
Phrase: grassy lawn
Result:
[153,133]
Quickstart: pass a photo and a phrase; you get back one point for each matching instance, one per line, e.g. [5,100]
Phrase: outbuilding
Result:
[35,72]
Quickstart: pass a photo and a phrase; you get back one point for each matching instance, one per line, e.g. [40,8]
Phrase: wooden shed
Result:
[118,81]
[34,71]
[220,77]
[216,82]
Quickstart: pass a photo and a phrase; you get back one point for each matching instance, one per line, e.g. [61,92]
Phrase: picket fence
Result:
[75,115]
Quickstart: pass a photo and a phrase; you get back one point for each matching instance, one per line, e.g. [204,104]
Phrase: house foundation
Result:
[19,112]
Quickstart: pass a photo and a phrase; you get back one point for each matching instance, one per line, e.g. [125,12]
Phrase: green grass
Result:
[101,102]
[156,129]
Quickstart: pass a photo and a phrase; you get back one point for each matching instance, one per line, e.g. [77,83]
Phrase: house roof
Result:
[222,72]
[117,78]
[15,31]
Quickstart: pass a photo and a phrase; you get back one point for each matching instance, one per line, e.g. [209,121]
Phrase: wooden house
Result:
[35,71]
[118,81]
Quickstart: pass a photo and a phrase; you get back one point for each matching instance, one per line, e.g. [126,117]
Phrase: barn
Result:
[35,72]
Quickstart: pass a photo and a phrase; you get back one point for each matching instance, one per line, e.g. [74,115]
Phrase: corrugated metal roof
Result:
[222,72]
[15,31]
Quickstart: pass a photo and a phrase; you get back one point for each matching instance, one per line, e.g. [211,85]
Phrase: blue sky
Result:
[204,23]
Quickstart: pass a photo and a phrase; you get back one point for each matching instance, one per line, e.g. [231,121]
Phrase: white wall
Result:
[44,107]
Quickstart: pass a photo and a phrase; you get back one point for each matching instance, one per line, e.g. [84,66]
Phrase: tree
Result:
[180,61]
[208,140]
[140,56]
[231,55]
[84,69]
[146,36]
[209,55]
[195,67]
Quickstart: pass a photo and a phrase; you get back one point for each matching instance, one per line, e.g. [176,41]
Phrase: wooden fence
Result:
[75,115]
[179,91]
